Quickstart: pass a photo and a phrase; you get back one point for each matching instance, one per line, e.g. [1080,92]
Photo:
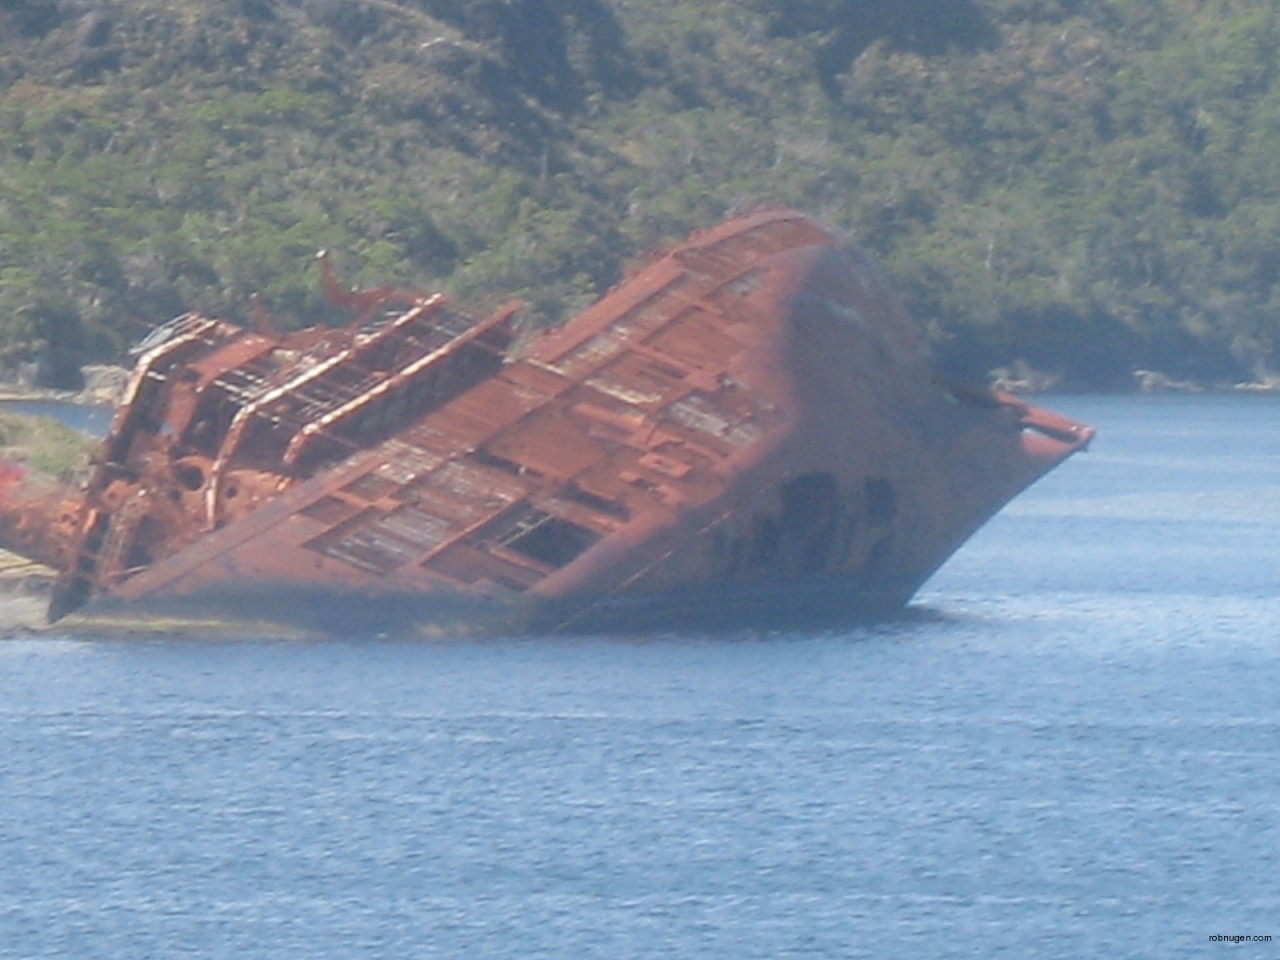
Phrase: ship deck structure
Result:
[746,431]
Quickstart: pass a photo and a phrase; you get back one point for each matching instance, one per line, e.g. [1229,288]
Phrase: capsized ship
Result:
[747,431]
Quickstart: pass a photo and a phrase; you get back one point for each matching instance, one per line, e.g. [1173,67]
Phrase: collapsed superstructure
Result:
[747,430]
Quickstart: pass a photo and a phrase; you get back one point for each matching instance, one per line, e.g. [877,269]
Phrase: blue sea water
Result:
[1068,747]
[94,420]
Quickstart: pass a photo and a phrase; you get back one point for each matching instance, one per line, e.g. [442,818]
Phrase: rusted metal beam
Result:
[748,425]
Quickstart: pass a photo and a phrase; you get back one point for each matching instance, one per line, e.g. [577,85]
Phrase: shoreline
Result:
[25,587]
[105,385]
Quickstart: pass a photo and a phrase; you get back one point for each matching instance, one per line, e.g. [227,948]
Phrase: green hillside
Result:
[1087,188]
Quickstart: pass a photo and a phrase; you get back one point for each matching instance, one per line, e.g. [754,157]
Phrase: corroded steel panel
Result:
[750,423]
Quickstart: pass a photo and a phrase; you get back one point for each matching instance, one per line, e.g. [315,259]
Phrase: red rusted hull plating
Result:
[748,430]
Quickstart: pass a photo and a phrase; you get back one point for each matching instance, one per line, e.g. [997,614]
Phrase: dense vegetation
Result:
[51,447]
[1088,188]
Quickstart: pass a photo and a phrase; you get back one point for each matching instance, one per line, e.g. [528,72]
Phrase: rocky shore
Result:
[104,385]
[24,595]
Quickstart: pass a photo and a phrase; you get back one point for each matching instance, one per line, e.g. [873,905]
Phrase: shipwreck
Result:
[746,431]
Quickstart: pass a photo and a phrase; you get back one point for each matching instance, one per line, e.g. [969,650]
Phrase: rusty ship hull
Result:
[747,431]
